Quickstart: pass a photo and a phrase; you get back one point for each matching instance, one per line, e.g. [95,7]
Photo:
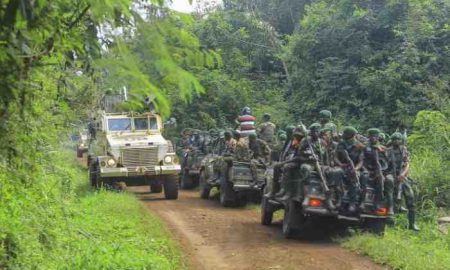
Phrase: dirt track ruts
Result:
[213,237]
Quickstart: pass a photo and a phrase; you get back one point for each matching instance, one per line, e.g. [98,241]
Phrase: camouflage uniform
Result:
[230,144]
[325,123]
[373,170]
[260,154]
[286,167]
[398,159]
[348,152]
[266,131]
[310,146]
[242,151]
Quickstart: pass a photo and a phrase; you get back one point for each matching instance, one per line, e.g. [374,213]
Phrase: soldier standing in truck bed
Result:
[266,130]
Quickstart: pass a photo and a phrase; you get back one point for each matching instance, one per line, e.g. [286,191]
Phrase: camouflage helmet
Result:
[282,136]
[315,126]
[382,136]
[373,132]
[397,136]
[325,114]
[227,134]
[252,136]
[290,130]
[349,132]
[266,116]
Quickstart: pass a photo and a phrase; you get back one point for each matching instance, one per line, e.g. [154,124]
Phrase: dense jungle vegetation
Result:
[383,63]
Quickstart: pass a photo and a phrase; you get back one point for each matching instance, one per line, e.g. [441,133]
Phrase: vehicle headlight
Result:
[82,145]
[168,159]
[111,162]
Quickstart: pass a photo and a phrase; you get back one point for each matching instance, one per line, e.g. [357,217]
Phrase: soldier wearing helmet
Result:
[349,157]
[266,131]
[398,170]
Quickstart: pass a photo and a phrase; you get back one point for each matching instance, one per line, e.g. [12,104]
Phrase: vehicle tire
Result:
[266,212]
[227,196]
[156,188]
[375,226]
[79,153]
[292,219]
[186,181]
[205,188]
[171,187]
[93,174]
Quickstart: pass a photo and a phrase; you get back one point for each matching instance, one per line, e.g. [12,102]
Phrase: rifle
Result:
[379,173]
[399,183]
[318,168]
[352,165]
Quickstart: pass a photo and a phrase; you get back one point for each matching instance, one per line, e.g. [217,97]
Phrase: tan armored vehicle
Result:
[129,147]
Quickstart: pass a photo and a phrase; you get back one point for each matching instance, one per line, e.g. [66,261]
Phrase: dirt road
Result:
[213,237]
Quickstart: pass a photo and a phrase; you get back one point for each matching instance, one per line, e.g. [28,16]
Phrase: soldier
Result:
[92,129]
[398,171]
[278,148]
[230,143]
[242,152]
[285,167]
[325,122]
[349,157]
[288,142]
[373,154]
[266,131]
[246,122]
[312,147]
[260,154]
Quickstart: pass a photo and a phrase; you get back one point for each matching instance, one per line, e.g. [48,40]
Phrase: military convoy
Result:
[129,147]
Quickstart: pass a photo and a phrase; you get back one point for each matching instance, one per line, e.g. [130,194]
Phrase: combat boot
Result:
[412,221]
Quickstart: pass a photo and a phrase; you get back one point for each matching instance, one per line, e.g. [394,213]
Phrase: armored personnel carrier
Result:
[129,147]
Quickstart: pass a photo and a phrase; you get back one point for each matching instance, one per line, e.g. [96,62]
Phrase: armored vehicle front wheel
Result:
[155,187]
[227,195]
[266,212]
[205,188]
[171,187]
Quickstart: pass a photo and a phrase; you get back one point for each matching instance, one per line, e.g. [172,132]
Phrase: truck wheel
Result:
[375,225]
[205,188]
[266,212]
[227,195]
[156,188]
[292,219]
[171,187]
[186,181]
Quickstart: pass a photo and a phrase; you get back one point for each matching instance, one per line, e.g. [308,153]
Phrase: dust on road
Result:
[213,237]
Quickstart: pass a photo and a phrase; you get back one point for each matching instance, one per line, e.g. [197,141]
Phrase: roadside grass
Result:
[61,223]
[403,249]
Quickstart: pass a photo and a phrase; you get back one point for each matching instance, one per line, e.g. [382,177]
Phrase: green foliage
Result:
[430,147]
[371,62]
[404,249]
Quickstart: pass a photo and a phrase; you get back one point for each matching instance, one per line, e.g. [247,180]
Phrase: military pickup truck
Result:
[301,210]
[130,148]
[232,178]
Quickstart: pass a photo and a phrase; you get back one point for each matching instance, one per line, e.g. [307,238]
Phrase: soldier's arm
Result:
[405,170]
[339,153]
[360,163]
